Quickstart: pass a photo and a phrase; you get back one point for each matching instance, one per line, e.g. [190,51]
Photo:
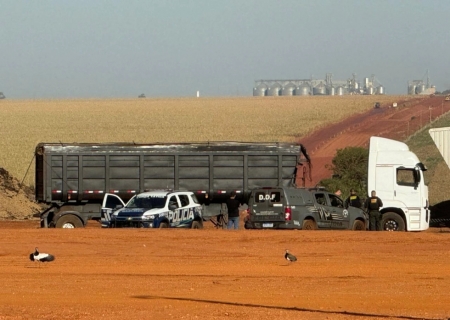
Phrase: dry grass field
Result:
[24,123]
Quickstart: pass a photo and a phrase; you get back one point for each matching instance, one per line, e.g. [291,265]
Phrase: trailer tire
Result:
[69,221]
[163,225]
[358,225]
[309,224]
[196,225]
[391,221]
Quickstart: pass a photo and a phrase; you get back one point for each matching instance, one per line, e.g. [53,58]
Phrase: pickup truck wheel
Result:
[163,225]
[196,225]
[309,225]
[358,225]
[69,222]
[391,221]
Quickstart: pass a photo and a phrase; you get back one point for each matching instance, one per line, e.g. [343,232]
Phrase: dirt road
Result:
[220,274]
[393,123]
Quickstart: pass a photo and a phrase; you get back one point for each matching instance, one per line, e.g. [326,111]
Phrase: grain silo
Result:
[331,91]
[380,89]
[320,90]
[274,90]
[302,90]
[340,91]
[369,90]
[288,90]
[420,88]
[260,90]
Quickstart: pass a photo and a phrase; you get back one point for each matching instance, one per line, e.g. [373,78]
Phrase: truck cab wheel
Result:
[391,221]
[69,222]
[163,225]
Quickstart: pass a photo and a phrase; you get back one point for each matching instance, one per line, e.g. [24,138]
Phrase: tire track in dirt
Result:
[393,123]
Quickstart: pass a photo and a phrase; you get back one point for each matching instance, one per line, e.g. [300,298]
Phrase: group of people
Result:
[372,205]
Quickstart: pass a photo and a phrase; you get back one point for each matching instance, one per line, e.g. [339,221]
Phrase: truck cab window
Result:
[405,177]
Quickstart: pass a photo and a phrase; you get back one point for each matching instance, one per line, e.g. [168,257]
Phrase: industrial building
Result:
[327,86]
[422,87]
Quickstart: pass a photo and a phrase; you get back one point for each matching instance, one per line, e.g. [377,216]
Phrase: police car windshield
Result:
[147,202]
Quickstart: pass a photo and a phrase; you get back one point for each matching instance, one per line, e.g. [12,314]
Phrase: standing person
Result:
[373,205]
[353,200]
[233,211]
[338,193]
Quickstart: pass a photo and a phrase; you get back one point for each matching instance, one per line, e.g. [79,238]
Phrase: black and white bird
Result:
[41,257]
[290,257]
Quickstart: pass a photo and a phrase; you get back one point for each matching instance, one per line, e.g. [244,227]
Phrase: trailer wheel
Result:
[163,225]
[196,225]
[69,221]
[309,224]
[391,221]
[358,225]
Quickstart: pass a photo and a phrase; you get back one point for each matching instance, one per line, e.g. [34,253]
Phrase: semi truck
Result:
[396,174]
[77,180]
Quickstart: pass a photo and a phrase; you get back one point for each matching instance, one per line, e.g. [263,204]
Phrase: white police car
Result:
[157,209]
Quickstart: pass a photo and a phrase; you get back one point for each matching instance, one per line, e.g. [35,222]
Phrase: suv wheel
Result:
[309,224]
[358,225]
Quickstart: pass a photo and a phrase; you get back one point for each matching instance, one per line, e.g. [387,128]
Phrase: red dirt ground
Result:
[394,123]
[221,274]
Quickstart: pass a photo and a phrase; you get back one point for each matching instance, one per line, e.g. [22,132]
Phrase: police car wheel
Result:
[196,225]
[163,225]
[309,225]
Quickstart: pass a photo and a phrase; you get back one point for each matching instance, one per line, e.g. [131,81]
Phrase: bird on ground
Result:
[41,257]
[290,257]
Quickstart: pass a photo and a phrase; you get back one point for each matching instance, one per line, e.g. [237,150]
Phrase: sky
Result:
[174,48]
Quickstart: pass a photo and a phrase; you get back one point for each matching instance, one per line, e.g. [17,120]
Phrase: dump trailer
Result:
[73,179]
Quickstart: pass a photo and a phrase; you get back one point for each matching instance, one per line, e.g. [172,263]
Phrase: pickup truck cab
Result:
[309,209]
[156,209]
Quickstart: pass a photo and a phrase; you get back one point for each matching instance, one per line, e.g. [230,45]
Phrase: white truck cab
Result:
[396,174]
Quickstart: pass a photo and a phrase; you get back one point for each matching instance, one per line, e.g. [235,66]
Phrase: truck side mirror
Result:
[119,206]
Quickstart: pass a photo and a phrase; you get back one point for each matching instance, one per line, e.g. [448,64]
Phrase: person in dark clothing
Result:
[353,200]
[373,205]
[233,211]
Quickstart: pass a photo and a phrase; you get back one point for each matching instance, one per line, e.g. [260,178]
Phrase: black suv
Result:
[292,208]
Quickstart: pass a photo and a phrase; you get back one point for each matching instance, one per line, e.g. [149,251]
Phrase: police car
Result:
[156,209]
